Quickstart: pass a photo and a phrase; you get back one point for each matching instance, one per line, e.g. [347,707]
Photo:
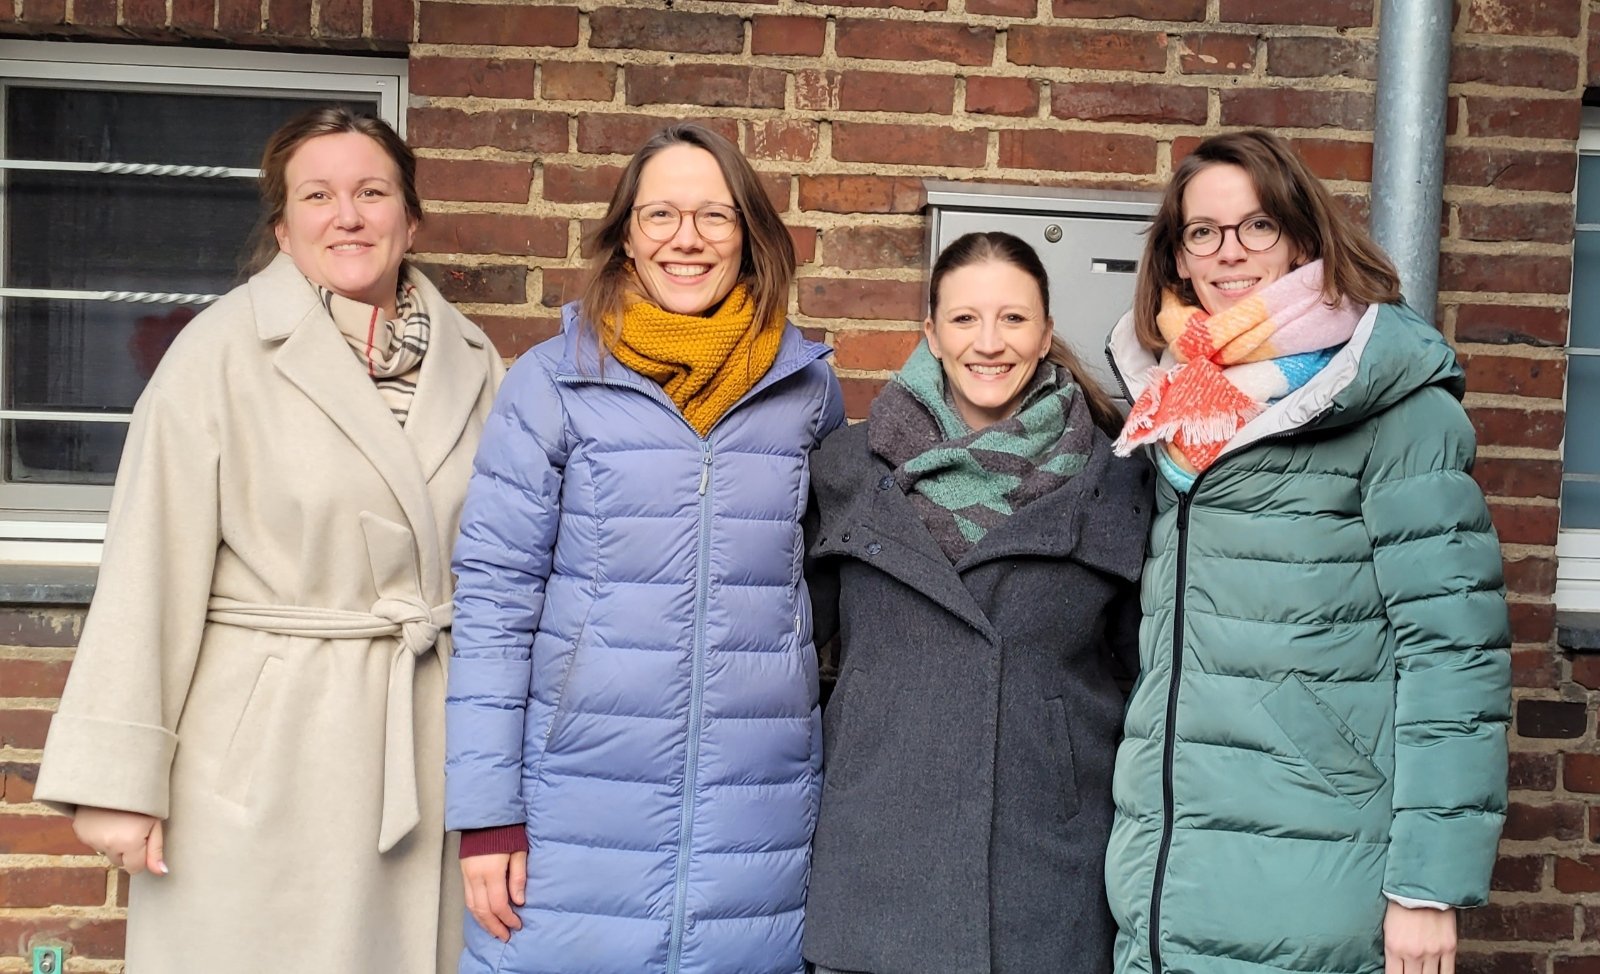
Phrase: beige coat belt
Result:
[417,625]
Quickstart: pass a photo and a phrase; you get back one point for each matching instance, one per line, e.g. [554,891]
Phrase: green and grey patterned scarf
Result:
[964,484]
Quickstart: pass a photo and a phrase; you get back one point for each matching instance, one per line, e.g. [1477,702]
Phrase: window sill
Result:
[23,584]
[1578,632]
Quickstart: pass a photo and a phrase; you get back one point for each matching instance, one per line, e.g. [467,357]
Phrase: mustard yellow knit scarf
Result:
[704,364]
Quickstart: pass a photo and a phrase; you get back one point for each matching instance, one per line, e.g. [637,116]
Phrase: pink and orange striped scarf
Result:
[1222,370]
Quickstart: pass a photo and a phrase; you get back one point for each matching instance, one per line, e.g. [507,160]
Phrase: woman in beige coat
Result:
[253,725]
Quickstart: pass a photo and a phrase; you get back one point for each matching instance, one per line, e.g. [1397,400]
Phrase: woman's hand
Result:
[494,882]
[1419,940]
[130,840]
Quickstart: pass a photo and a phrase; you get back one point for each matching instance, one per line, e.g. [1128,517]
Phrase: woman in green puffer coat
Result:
[1313,771]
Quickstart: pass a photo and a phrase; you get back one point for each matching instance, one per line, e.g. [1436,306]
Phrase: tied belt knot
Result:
[419,624]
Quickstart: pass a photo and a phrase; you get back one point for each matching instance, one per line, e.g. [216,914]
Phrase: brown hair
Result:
[766,258]
[281,147]
[994,245]
[1316,225]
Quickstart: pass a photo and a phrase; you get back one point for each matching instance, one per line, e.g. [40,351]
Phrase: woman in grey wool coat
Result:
[976,547]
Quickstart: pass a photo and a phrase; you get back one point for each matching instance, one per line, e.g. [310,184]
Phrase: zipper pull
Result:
[705,473]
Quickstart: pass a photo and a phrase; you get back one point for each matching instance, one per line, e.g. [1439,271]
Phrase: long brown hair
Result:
[995,245]
[1353,267]
[281,147]
[766,258]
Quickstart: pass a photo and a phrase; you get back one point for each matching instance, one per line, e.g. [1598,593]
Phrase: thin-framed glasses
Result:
[1257,234]
[660,221]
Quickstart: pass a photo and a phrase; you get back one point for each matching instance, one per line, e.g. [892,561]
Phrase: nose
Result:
[988,341]
[1232,247]
[687,237]
[349,215]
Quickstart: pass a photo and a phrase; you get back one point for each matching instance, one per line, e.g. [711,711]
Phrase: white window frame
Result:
[42,534]
[1577,549]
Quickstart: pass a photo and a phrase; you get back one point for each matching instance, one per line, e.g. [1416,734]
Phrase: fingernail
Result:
[161,864]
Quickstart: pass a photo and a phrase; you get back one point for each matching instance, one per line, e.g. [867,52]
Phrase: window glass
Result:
[1584,331]
[1589,189]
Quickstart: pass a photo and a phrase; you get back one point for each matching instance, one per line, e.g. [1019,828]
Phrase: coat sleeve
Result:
[502,563]
[112,740]
[1438,566]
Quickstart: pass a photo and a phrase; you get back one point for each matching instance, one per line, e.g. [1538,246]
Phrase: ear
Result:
[931,336]
[1182,260]
[1049,333]
[411,232]
[627,248]
[282,233]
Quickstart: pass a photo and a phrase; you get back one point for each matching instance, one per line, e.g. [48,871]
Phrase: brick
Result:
[514,335]
[1594,48]
[1581,772]
[40,835]
[1579,875]
[52,886]
[1535,668]
[1003,8]
[42,628]
[1076,47]
[788,36]
[393,20]
[1555,820]
[858,395]
[1577,964]
[868,247]
[1522,67]
[512,25]
[1216,53]
[578,80]
[1297,108]
[624,134]
[1119,102]
[144,13]
[44,12]
[861,194]
[560,285]
[189,15]
[1541,378]
[1326,13]
[1322,57]
[32,677]
[1516,477]
[1525,18]
[1141,9]
[1532,622]
[473,180]
[1336,158]
[1002,96]
[1077,151]
[514,129]
[291,18]
[1531,576]
[1537,222]
[493,233]
[874,350]
[1525,523]
[901,40]
[915,145]
[24,729]
[1586,672]
[843,297]
[882,91]
[1531,771]
[1515,273]
[1500,962]
[1517,921]
[468,284]
[1593,923]
[805,243]
[705,85]
[666,30]
[816,90]
[1499,324]
[1530,118]
[94,13]
[1552,719]
[1514,169]
[486,77]
[341,18]
[781,140]
[776,185]
[1518,874]
[87,937]
[929,5]
[565,183]
[236,17]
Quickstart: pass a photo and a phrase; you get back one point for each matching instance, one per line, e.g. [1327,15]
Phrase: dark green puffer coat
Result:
[1321,716]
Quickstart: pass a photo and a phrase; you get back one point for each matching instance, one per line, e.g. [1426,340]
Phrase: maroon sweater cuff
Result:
[499,839]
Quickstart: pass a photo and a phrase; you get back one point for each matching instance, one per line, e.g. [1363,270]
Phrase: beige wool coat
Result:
[263,663]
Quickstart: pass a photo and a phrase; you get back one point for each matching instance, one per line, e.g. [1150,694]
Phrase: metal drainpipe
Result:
[1408,142]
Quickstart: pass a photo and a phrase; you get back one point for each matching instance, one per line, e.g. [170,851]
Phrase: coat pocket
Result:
[1323,740]
[1061,759]
[249,734]
[840,746]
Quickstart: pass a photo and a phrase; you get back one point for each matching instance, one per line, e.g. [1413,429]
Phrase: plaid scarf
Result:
[1220,371]
[391,350]
[965,484]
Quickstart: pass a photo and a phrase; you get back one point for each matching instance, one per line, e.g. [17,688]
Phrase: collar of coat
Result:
[1392,354]
[311,353]
[1099,519]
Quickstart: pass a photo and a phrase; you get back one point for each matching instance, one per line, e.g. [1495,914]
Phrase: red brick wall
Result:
[523,112]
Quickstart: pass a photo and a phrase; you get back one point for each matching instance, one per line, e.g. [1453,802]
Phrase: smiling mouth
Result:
[684,270]
[1237,285]
[989,370]
[345,248]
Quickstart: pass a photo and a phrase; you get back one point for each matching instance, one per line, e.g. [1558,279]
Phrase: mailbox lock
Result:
[1052,233]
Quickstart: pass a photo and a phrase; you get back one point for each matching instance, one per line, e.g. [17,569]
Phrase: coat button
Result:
[885,482]
[845,537]
[874,548]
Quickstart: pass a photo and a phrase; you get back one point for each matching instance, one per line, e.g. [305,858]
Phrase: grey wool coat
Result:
[969,741]
[263,663]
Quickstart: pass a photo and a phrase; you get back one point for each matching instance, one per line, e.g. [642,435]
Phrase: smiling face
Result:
[345,222]
[686,273]
[990,331]
[1223,194]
